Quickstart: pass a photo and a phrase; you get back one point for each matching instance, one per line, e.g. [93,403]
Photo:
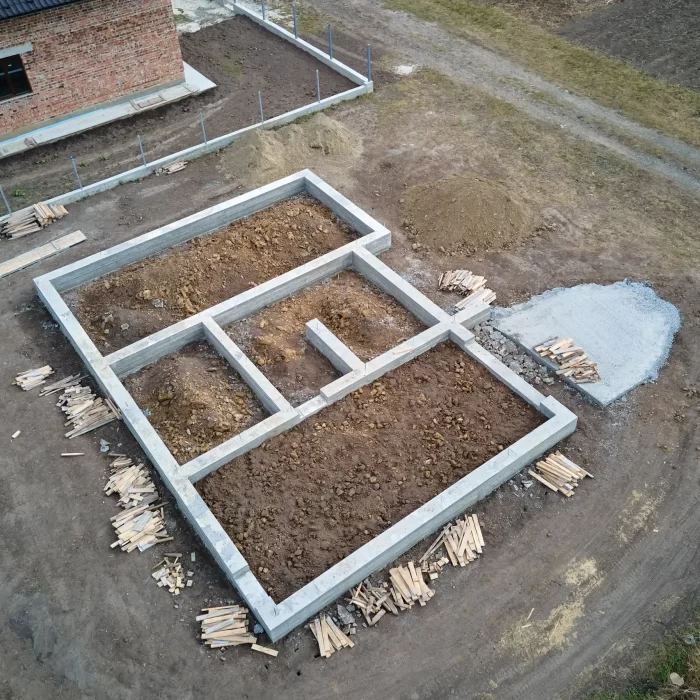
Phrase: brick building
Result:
[61,58]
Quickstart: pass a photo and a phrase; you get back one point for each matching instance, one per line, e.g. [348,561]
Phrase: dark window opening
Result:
[13,78]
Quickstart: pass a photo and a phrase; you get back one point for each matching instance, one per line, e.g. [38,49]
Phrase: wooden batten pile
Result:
[329,637]
[172,168]
[61,385]
[139,528]
[559,474]
[463,541]
[33,378]
[31,219]
[572,361]
[471,286]
[85,410]
[169,574]
[131,482]
[227,626]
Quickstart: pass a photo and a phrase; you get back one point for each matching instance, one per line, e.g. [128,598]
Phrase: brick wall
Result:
[90,52]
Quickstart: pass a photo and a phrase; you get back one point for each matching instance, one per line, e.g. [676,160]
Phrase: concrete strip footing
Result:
[279,619]
[334,349]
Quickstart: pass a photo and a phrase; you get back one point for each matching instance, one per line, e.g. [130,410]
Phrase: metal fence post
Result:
[369,63]
[4,199]
[75,170]
[143,155]
[262,118]
[204,132]
[262,3]
[330,41]
[318,86]
[294,16]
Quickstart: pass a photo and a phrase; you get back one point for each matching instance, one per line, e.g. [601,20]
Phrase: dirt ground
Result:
[238,55]
[147,296]
[607,572]
[316,493]
[368,321]
[194,400]
[660,37]
[466,214]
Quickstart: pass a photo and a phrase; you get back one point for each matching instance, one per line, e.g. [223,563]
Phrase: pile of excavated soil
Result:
[195,400]
[264,156]
[466,215]
[306,499]
[147,296]
[368,321]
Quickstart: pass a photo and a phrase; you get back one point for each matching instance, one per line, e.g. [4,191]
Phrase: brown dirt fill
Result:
[304,500]
[466,215]
[147,296]
[196,400]
[368,321]
[264,156]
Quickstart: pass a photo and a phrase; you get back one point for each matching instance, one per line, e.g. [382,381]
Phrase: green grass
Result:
[181,18]
[669,108]
[233,68]
[672,655]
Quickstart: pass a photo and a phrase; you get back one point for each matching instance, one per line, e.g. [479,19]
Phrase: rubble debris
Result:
[225,626]
[139,528]
[329,637]
[559,474]
[471,286]
[131,482]
[172,168]
[32,378]
[85,410]
[573,361]
[31,219]
[168,574]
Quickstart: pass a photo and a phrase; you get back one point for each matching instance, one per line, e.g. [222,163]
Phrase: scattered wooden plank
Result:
[41,253]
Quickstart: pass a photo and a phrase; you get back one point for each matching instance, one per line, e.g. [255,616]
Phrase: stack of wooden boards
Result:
[463,541]
[169,574]
[32,378]
[471,286]
[139,528]
[31,219]
[61,385]
[329,637]
[572,361]
[85,410]
[131,482]
[172,168]
[227,626]
[559,474]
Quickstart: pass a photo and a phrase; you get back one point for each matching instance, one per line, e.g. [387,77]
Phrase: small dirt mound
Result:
[466,215]
[264,156]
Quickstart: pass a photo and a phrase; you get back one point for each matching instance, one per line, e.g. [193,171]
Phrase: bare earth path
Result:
[413,41]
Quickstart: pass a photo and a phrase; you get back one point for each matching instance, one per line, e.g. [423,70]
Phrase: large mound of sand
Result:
[466,215]
[263,156]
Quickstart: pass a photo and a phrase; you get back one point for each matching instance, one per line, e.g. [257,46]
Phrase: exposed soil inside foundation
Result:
[368,321]
[305,499]
[147,296]
[195,400]
[467,215]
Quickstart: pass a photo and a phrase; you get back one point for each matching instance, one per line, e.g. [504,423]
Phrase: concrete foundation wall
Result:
[279,619]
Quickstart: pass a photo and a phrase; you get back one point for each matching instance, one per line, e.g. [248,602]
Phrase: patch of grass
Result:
[233,68]
[669,108]
[181,18]
[673,655]
[309,21]
[18,193]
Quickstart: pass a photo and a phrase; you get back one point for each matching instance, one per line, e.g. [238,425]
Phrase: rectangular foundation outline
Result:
[278,619]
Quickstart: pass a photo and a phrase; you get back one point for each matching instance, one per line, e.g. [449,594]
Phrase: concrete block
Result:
[393,284]
[334,349]
[268,395]
[238,445]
